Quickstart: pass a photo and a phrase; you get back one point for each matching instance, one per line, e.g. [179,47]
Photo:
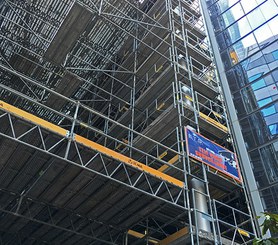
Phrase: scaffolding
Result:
[95,98]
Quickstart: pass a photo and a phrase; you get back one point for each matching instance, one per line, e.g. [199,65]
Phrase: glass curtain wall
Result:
[247,36]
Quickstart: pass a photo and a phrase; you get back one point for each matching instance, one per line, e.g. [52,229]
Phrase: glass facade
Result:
[247,36]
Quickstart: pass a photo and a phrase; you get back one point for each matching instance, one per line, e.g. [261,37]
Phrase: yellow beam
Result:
[31,118]
[131,162]
[188,98]
[140,235]
[118,146]
[160,106]
[214,122]
[184,231]
[155,16]
[216,114]
[163,154]
[243,232]
[172,161]
[158,69]
[90,144]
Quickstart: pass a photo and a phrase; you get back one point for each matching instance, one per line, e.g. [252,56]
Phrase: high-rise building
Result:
[245,39]
[112,127]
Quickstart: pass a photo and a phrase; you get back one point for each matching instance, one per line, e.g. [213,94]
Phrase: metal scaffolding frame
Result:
[94,99]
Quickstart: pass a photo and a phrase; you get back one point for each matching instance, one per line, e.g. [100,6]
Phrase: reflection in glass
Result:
[264,102]
[249,5]
[270,158]
[247,37]
[268,111]
[258,84]
[256,18]
[262,32]
[273,129]
[229,17]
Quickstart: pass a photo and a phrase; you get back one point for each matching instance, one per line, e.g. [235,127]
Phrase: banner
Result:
[212,154]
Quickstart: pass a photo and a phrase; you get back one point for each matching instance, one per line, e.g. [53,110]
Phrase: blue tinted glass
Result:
[258,84]
[253,78]
[275,54]
[263,102]
[269,111]
[273,129]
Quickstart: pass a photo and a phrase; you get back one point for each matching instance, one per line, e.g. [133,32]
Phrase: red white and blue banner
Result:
[212,154]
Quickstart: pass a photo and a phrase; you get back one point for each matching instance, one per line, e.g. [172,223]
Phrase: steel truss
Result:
[104,165]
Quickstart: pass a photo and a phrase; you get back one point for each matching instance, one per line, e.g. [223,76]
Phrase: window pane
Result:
[275,54]
[269,157]
[259,84]
[266,92]
[263,33]
[224,4]
[239,29]
[273,129]
[263,102]
[268,111]
[249,99]
[249,5]
[254,77]
[256,18]
[248,40]
[269,9]
[231,15]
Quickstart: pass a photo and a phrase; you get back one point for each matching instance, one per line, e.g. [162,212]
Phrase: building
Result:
[247,44]
[113,129]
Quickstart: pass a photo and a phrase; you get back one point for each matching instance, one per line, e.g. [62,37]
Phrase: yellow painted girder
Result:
[34,119]
[140,235]
[129,161]
[168,240]
[171,161]
[90,144]
[214,122]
